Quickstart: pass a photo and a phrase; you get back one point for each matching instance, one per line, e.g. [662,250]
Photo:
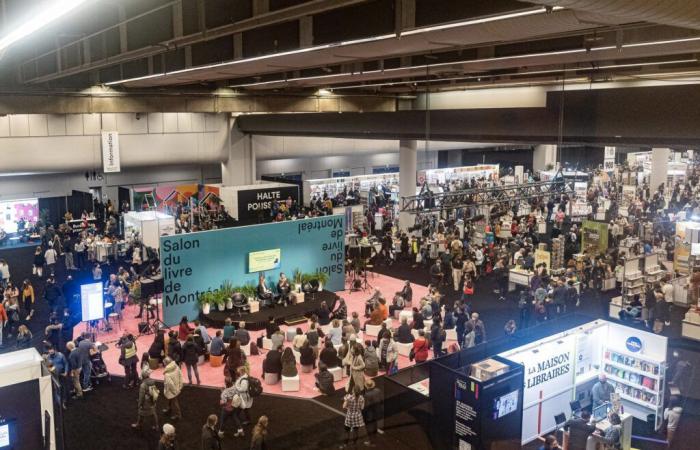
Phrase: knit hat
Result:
[168,429]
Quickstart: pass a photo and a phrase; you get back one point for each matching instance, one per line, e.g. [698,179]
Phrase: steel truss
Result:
[428,201]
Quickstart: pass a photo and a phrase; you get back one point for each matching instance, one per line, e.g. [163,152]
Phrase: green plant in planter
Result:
[321,277]
[227,288]
[297,278]
[250,291]
[218,298]
[205,297]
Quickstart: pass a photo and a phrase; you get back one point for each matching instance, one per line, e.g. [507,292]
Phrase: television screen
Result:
[505,404]
[264,260]
[13,211]
[91,301]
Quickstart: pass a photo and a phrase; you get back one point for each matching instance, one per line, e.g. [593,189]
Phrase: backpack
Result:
[255,388]
[153,392]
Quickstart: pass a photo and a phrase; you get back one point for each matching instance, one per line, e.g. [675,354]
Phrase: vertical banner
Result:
[110,152]
[466,414]
[594,237]
[609,161]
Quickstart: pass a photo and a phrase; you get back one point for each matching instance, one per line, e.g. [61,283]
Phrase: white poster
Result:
[110,152]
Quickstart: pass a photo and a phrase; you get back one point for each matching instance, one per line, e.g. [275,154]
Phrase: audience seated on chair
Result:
[324,380]
[273,361]
[277,339]
[308,357]
[217,344]
[242,334]
[289,363]
[324,314]
[404,335]
[229,329]
[329,356]
[271,327]
[371,359]
[299,340]
[335,334]
[355,322]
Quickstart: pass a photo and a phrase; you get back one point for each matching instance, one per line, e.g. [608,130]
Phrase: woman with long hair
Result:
[39,262]
[28,299]
[257,442]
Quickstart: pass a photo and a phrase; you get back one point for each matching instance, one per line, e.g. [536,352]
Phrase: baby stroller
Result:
[99,370]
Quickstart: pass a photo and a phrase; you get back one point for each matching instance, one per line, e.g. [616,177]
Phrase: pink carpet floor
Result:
[213,376]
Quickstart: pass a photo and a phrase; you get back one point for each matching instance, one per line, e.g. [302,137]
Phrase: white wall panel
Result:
[92,124]
[74,124]
[19,125]
[56,124]
[184,122]
[214,122]
[198,125]
[109,122]
[155,122]
[170,122]
[127,123]
[38,125]
[4,126]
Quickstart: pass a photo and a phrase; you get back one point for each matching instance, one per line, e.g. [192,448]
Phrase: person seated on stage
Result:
[202,331]
[264,293]
[376,318]
[324,314]
[335,334]
[229,329]
[341,311]
[271,327]
[273,361]
[174,347]
[381,306]
[283,289]
[299,339]
[404,335]
[371,302]
[397,304]
[417,323]
[217,344]
[242,334]
[324,380]
[184,329]
[329,355]
[406,294]
[289,363]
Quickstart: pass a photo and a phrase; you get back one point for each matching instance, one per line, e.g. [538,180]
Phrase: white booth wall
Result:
[151,225]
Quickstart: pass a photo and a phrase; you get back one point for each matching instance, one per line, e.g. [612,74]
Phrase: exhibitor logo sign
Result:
[633,344]
[252,203]
[548,369]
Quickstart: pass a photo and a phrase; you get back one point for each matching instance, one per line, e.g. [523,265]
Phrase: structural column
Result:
[544,155]
[659,168]
[407,178]
[239,167]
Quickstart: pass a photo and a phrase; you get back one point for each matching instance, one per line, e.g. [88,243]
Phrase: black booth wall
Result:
[56,207]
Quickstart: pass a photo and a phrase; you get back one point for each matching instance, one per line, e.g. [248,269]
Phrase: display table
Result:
[519,276]
[625,438]
[690,328]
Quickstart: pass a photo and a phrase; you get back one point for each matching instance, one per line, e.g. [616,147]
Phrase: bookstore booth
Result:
[555,377]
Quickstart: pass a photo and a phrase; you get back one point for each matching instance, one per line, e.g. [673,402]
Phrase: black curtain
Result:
[282,179]
[123,195]
[55,208]
[79,202]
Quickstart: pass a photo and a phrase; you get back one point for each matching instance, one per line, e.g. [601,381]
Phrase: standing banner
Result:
[594,237]
[543,256]
[110,152]
[609,161]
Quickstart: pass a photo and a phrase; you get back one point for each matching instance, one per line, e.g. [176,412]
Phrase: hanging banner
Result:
[110,152]
[609,161]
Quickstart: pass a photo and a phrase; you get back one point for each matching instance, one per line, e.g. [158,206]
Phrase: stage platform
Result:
[258,320]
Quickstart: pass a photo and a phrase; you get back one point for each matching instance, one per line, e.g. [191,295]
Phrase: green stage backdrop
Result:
[196,262]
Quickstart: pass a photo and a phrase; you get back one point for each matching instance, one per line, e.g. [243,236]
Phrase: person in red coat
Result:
[421,348]
[184,329]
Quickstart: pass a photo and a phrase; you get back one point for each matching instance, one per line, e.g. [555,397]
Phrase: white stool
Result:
[388,322]
[404,349]
[297,355]
[337,373]
[246,349]
[451,334]
[271,378]
[428,324]
[407,314]
[290,384]
[307,369]
[291,332]
[372,330]
[200,360]
[267,343]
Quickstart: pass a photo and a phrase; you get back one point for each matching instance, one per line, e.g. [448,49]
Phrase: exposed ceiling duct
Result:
[678,13]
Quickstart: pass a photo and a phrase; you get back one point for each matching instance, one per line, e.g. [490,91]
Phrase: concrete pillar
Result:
[659,168]
[239,167]
[407,178]
[542,156]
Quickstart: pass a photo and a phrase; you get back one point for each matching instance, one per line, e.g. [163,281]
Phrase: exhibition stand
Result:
[360,183]
[253,202]
[26,402]
[148,226]
[531,378]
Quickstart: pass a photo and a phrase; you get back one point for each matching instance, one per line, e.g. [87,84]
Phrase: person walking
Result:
[241,414]
[3,321]
[129,360]
[50,256]
[39,262]
[353,404]
[75,364]
[437,337]
[28,299]
[148,398]
[257,441]
[167,439]
[373,411]
[210,438]
[172,386]
[190,356]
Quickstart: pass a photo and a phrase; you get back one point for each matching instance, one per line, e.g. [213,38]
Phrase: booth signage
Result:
[609,162]
[466,394]
[251,203]
[110,152]
[634,344]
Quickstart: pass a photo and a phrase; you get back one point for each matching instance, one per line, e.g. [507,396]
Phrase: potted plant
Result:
[227,289]
[297,279]
[322,278]
[205,300]
[219,300]
[250,291]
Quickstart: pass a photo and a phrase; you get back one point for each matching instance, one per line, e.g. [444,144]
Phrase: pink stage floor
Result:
[213,376]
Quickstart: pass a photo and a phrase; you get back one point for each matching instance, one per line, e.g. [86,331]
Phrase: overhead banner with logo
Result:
[110,152]
[609,161]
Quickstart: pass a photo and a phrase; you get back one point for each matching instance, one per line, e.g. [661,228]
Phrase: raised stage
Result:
[258,320]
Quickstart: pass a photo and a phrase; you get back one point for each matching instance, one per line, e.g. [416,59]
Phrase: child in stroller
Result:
[99,370]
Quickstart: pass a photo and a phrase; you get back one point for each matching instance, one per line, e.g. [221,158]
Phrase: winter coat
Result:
[172,380]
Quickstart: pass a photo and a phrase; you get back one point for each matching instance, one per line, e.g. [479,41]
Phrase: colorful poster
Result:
[594,237]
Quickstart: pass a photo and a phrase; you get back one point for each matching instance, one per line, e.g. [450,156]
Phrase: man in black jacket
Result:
[579,430]
[210,438]
[52,294]
[273,362]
